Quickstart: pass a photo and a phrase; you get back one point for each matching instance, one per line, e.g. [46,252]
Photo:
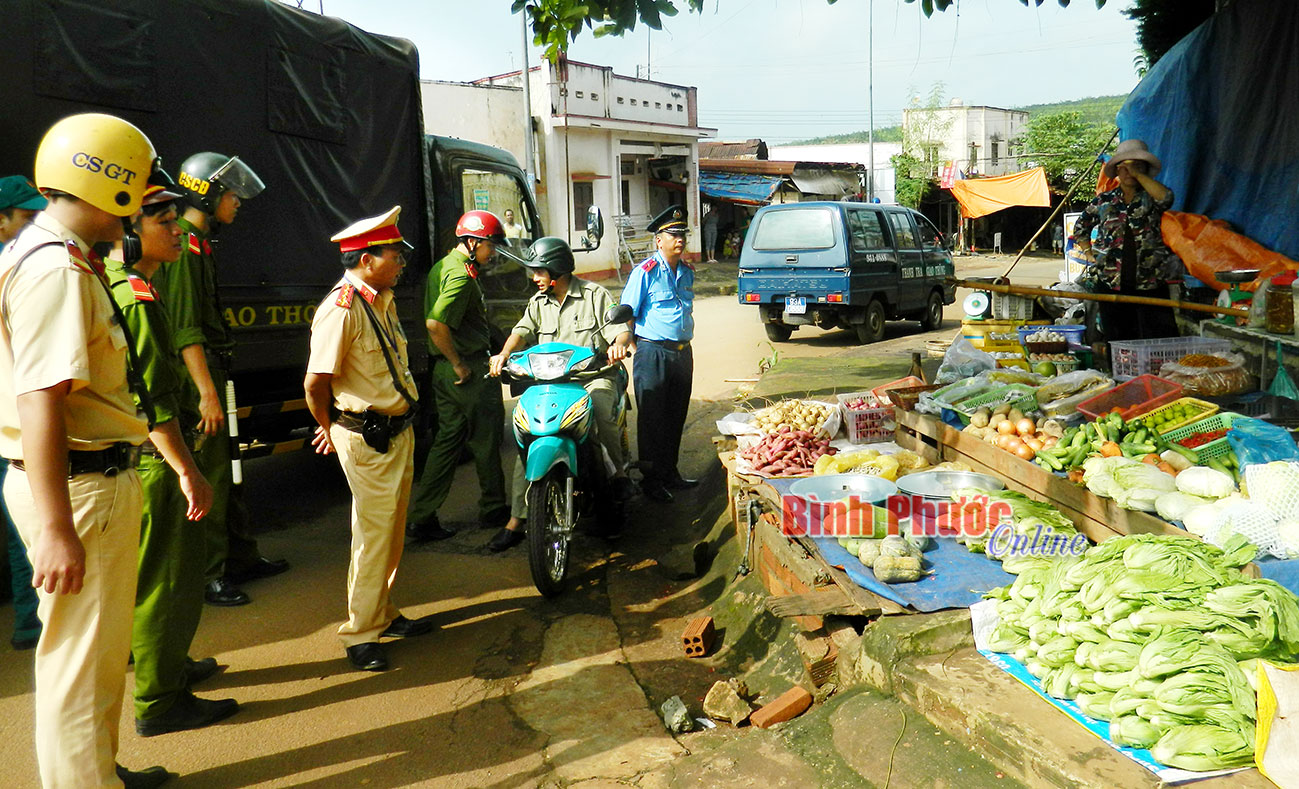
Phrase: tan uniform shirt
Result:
[576,321]
[345,345]
[58,325]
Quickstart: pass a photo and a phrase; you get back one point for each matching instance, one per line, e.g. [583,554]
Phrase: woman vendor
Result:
[1128,255]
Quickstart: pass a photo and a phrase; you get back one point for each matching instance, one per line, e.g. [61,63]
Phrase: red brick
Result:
[788,705]
[697,638]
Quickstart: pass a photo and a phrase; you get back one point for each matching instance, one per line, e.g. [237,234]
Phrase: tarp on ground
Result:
[1208,246]
[1218,109]
[744,188]
[982,196]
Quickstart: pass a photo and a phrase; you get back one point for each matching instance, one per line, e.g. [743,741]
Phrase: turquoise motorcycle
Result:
[568,473]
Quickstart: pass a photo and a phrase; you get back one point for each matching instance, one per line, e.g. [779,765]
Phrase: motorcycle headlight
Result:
[518,368]
[585,365]
[549,366]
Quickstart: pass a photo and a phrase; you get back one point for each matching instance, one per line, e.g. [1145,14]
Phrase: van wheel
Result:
[872,329]
[933,316]
[778,332]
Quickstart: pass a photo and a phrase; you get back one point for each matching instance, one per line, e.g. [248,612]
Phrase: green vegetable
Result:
[1205,747]
[1133,731]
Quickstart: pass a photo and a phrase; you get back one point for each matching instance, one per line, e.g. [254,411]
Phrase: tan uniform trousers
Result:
[607,432]
[380,486]
[81,657]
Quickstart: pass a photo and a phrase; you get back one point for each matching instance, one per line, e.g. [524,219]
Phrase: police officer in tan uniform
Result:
[71,431]
[362,395]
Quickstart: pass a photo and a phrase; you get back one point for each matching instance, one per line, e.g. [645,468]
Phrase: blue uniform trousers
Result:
[661,377]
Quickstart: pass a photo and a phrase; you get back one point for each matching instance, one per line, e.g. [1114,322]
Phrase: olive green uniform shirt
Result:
[575,321]
[147,322]
[189,293]
[453,296]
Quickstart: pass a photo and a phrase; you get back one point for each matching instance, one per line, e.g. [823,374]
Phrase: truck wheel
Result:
[872,329]
[933,317]
[778,332]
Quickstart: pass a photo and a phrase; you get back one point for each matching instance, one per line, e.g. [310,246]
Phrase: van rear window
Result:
[799,228]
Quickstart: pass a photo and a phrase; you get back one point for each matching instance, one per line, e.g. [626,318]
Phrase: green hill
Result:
[1094,109]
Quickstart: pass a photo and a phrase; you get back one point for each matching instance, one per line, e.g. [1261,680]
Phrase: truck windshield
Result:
[502,194]
[798,228]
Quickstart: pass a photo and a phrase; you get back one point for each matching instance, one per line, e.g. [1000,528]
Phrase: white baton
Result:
[232,419]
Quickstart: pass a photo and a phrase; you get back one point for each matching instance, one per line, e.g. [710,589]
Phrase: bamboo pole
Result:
[1117,298]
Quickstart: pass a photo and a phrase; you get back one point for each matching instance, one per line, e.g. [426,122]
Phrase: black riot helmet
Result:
[205,176]
[552,254]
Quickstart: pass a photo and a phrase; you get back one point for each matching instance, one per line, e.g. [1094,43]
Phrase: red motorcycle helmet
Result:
[481,224]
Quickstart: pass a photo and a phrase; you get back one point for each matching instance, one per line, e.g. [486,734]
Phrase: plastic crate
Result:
[907,398]
[1021,363]
[1130,358]
[867,425]
[1073,333]
[1138,396]
[1214,449]
[1209,409]
[1018,396]
[1062,366]
[881,391]
[1009,307]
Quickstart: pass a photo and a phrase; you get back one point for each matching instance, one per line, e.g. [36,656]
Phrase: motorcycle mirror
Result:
[619,313]
[594,228]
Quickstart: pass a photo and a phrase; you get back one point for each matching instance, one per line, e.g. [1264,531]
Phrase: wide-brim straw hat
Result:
[1126,152]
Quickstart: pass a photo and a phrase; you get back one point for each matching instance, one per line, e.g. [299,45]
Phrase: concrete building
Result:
[977,139]
[854,153]
[629,146]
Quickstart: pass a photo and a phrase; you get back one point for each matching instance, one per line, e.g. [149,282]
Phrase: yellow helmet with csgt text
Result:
[98,158]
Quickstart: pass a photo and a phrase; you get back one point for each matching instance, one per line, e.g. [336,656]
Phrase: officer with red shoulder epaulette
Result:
[361,393]
[470,411]
[169,598]
[661,293]
[71,431]
[215,186]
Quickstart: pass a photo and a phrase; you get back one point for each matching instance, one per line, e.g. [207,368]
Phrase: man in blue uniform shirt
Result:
[661,293]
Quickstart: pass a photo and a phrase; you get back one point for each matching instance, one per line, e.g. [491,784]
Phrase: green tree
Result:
[1064,144]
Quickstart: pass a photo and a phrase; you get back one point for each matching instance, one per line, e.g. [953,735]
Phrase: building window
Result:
[595,97]
[579,94]
[620,99]
[658,105]
[633,102]
[626,196]
[583,197]
[992,152]
[678,108]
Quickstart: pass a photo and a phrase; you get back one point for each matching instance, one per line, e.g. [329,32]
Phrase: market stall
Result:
[1128,550]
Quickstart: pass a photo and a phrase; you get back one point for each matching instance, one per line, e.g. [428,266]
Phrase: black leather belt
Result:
[671,345]
[349,420]
[109,462]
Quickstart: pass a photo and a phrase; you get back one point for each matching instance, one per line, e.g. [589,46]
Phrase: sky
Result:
[784,70]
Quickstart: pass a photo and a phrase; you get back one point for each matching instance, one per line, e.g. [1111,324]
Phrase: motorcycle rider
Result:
[570,310]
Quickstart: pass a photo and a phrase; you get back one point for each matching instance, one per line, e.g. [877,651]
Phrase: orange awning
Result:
[982,196]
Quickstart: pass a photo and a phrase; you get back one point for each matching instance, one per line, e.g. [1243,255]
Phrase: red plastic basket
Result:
[1134,398]
[876,422]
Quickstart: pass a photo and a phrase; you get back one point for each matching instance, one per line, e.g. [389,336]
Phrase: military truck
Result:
[328,115]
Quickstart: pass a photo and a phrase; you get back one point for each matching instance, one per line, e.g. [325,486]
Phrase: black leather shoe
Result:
[506,539]
[401,627]
[147,778]
[656,491]
[222,592]
[198,670]
[189,712]
[496,519]
[368,657]
[259,568]
[430,531]
[681,483]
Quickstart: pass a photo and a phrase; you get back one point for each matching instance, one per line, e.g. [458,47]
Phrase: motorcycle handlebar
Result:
[584,375]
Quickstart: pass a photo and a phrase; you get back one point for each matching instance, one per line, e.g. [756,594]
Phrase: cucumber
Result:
[1054,463]
[1140,437]
[1217,465]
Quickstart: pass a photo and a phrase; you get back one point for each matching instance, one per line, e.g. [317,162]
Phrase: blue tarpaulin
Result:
[748,188]
[1219,110]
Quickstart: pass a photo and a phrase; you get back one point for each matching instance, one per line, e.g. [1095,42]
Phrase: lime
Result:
[1045,368]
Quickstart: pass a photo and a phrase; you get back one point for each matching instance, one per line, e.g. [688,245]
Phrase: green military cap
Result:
[18,192]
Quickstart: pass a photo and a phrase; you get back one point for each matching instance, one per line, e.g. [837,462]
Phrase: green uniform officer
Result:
[169,594]
[214,186]
[470,411]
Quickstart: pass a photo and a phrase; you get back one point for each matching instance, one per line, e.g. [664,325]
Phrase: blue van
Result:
[850,265]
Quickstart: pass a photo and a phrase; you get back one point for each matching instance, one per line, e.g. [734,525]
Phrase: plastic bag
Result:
[963,360]
[1255,441]
[1060,396]
[1211,381]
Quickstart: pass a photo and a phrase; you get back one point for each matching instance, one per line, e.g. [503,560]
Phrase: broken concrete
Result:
[675,716]
[725,703]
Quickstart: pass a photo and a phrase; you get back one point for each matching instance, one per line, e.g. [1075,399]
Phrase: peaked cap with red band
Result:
[375,231]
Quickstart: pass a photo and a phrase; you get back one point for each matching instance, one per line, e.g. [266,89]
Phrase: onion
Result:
[1049,442]
[1006,427]
[1025,427]
[1034,444]
[1025,451]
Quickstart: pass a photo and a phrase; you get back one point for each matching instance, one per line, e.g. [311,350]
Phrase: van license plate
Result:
[796,305]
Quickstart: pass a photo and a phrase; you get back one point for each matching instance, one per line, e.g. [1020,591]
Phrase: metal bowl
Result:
[942,484]
[834,487]
[1237,275]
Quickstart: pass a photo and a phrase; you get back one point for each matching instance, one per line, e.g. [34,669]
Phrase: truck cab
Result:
[844,264]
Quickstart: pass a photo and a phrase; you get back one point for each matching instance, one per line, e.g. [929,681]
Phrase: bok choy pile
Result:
[1149,632]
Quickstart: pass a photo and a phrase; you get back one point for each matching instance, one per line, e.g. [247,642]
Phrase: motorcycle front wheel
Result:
[548,531]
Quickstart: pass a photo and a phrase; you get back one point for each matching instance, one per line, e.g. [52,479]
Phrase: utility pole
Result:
[649,33]
[528,168]
[870,100]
